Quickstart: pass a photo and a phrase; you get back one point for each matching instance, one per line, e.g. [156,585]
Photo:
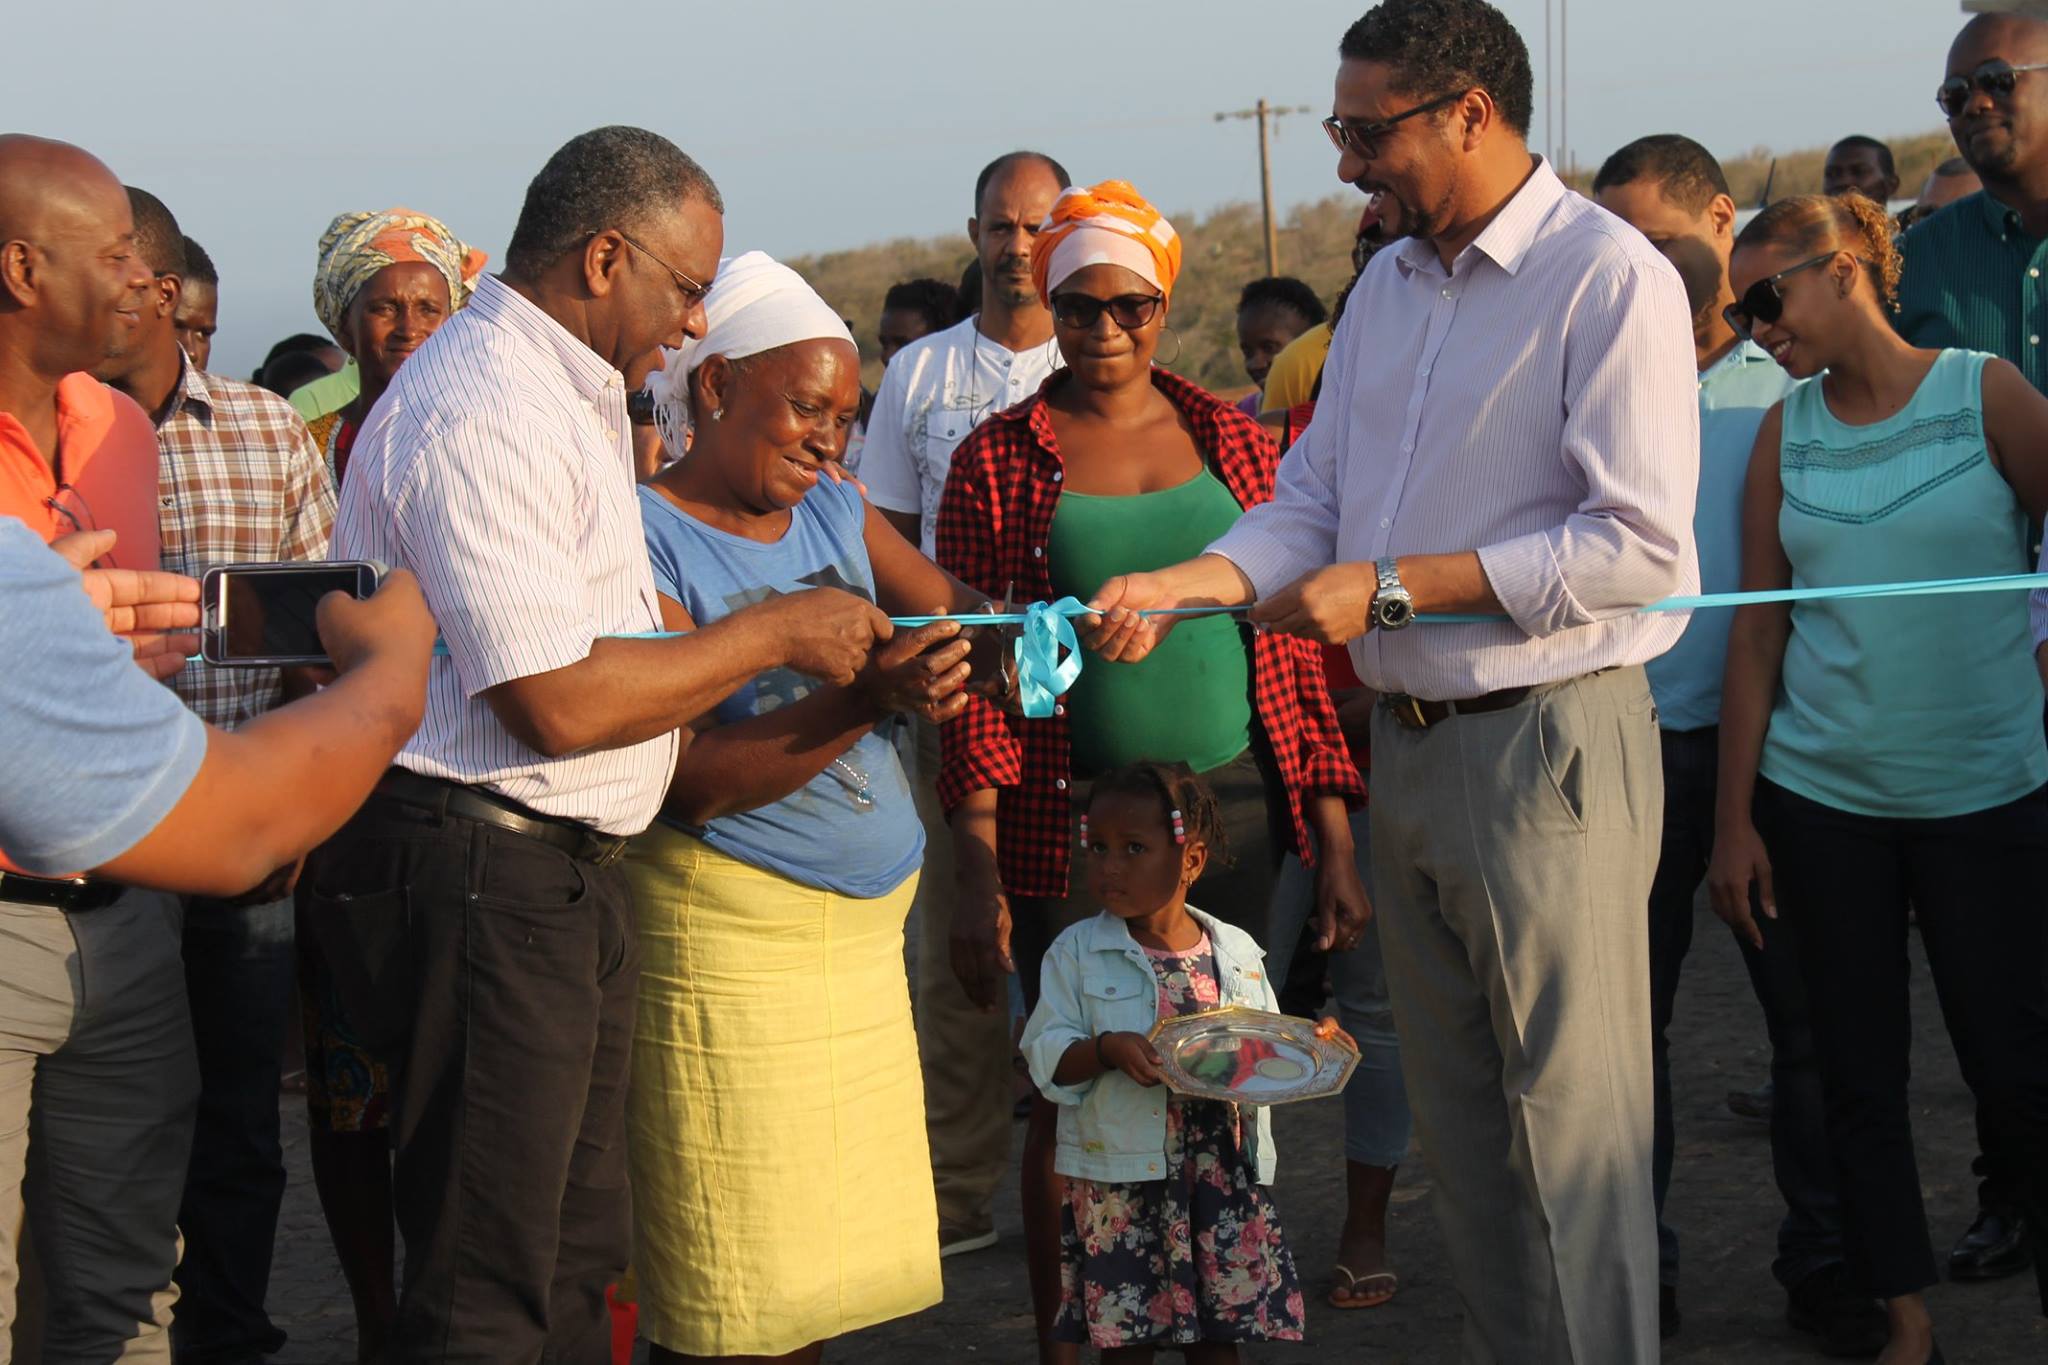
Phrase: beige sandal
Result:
[1357,1290]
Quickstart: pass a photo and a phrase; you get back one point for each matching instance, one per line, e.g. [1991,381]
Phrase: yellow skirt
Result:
[782,1186]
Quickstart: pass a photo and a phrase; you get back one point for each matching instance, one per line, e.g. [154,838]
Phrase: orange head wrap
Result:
[1106,224]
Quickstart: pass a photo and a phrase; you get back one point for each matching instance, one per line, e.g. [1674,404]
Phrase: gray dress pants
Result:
[1512,852]
[99,1083]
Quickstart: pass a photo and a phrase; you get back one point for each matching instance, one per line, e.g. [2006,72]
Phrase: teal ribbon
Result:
[1929,587]
[1048,627]
[1044,671]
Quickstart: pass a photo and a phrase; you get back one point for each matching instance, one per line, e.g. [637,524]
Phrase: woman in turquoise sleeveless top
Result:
[1880,756]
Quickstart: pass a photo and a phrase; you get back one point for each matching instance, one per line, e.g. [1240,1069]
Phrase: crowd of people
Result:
[588,856]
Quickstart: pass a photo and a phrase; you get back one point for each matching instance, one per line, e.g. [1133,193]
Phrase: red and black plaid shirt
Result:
[995,522]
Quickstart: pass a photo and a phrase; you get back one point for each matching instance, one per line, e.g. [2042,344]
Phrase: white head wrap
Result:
[756,304]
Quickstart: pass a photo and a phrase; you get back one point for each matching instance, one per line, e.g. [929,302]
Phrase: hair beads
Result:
[1180,830]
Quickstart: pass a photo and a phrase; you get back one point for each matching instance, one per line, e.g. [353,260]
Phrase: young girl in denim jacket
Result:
[1168,1237]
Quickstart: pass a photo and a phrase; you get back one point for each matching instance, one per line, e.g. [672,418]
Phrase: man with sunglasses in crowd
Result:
[1518,443]
[1974,278]
[1673,191]
[475,915]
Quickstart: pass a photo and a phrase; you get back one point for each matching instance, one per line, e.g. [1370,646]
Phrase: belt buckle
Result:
[1407,710]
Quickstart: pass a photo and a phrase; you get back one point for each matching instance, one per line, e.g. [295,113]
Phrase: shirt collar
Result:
[190,389]
[1744,354]
[496,302]
[85,414]
[1997,215]
[1507,239]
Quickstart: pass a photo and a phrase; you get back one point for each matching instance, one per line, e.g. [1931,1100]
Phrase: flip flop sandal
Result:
[1355,1286]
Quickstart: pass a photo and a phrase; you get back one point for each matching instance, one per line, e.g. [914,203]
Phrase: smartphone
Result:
[262,615]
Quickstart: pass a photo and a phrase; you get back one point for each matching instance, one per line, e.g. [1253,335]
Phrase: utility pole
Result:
[1263,112]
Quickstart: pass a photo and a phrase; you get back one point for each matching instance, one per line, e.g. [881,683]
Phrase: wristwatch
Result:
[1392,607]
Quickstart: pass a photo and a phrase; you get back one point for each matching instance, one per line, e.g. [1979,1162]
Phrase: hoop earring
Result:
[1169,362]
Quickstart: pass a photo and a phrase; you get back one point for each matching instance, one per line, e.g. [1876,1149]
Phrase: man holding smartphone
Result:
[474,913]
[241,481]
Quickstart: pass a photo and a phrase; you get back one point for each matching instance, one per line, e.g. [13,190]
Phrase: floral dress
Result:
[1198,1256]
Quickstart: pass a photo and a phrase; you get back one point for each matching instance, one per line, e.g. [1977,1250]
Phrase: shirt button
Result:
[1407,447]
[1152,1166]
[1038,552]
[2034,272]
[610,435]
[1385,523]
[1109,990]
[1425,371]
[1447,293]
[1057,476]
[1059,784]
[1059,708]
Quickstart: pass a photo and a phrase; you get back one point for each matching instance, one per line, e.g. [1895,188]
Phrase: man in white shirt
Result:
[477,922]
[935,391]
[1517,438]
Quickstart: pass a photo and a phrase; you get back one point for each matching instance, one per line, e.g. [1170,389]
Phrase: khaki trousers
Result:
[99,1084]
[1512,853]
[968,1080]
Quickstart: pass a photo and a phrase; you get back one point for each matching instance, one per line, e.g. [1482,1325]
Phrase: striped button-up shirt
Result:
[1536,403]
[238,480]
[1972,279]
[498,467]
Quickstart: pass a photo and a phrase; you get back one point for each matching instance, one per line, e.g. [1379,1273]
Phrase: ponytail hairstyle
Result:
[1812,223]
[1177,788]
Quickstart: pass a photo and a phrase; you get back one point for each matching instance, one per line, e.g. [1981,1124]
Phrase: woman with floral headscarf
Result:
[384,283]
[1116,465]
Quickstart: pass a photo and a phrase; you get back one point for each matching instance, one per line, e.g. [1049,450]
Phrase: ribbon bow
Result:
[1042,674]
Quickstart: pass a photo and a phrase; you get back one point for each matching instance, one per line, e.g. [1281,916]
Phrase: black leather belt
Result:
[60,893]
[1417,714]
[488,808]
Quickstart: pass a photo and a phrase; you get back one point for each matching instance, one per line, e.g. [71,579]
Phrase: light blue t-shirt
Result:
[818,835]
[1735,393]
[1915,707]
[97,753]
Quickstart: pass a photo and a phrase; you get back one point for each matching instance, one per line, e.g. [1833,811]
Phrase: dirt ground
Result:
[1722,1203]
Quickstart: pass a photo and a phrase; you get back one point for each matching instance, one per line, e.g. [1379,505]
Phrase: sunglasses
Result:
[693,293]
[1349,135]
[1129,311]
[1762,302]
[1995,78]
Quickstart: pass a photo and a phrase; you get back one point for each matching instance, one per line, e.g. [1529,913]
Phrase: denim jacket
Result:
[1096,979]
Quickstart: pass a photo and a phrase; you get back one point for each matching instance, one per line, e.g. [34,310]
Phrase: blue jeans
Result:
[238,977]
[1376,1123]
[1810,1236]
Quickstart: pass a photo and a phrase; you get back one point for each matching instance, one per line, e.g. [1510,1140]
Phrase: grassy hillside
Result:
[1224,250]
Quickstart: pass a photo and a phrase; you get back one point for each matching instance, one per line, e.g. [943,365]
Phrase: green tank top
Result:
[1920,707]
[1189,701]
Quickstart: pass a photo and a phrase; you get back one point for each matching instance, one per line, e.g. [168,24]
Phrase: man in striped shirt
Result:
[474,915]
[240,481]
[1973,278]
[1520,441]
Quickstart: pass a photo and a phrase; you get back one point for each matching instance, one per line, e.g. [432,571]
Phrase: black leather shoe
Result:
[1668,1317]
[1994,1247]
[1848,1323]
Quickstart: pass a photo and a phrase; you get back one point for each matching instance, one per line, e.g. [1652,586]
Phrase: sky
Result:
[831,125]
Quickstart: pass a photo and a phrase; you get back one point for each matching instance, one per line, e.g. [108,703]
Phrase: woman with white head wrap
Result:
[781,1181]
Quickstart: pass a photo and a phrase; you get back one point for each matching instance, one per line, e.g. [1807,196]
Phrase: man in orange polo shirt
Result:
[105,1082]
[74,455]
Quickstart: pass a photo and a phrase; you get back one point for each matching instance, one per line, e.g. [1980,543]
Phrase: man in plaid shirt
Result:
[239,480]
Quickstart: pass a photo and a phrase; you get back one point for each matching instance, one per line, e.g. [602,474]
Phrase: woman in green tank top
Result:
[1890,751]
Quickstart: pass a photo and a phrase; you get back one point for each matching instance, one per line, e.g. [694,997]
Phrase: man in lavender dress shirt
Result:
[1519,440]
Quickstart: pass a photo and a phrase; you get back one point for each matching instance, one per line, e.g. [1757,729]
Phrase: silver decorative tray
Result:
[1250,1056]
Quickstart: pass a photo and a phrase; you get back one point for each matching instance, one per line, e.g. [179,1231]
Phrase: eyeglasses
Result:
[1349,135]
[1762,302]
[693,293]
[70,504]
[1128,311]
[1995,78]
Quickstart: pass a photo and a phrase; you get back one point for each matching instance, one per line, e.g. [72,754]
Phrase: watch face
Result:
[1395,611]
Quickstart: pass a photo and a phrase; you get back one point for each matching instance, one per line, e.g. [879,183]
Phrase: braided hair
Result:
[1812,223]
[1178,788]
